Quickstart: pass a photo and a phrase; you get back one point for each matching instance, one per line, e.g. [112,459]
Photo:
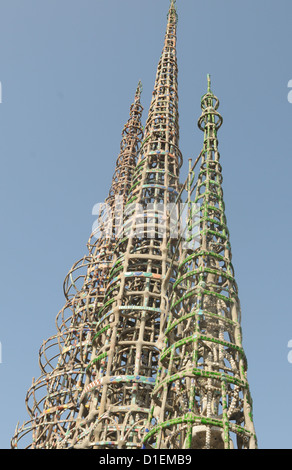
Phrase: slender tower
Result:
[201,399]
[127,342]
[53,400]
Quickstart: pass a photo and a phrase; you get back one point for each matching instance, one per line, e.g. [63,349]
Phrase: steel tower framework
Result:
[148,352]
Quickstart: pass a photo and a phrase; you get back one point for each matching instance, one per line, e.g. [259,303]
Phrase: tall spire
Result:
[53,399]
[201,398]
[126,345]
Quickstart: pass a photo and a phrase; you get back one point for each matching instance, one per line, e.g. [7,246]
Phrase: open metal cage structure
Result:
[148,351]
[53,399]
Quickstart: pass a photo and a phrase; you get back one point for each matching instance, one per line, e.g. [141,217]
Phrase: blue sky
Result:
[68,70]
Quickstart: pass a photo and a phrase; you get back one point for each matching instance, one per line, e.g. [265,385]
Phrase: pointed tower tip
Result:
[172,4]
[209,82]
[140,86]
[139,90]
[172,9]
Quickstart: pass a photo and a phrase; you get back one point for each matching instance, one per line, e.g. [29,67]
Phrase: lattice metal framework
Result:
[148,352]
[127,343]
[53,399]
[201,398]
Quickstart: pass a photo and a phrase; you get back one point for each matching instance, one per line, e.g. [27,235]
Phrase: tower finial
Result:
[140,87]
[172,9]
[209,83]
[139,90]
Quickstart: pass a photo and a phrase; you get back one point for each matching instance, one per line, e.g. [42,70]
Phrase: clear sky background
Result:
[68,70]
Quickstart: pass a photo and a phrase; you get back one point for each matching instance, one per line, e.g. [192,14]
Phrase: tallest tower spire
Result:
[172,7]
[127,343]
